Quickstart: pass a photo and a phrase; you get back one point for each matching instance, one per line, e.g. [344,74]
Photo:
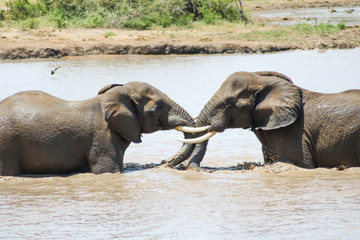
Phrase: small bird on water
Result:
[349,10]
[54,70]
[332,10]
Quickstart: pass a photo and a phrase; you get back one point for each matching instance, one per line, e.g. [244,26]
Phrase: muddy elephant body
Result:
[325,134]
[42,134]
[306,128]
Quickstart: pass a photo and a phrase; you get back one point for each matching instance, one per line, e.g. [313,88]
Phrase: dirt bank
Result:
[45,43]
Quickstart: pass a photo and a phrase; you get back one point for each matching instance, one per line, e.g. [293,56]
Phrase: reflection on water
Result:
[314,16]
[170,204]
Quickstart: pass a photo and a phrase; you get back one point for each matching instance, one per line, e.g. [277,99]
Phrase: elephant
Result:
[43,134]
[306,128]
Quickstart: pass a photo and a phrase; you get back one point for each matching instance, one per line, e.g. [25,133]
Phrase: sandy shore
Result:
[48,42]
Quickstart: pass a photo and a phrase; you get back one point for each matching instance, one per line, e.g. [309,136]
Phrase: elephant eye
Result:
[159,105]
[229,105]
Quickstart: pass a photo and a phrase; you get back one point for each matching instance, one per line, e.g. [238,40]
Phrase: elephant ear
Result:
[273,74]
[108,87]
[121,112]
[276,104]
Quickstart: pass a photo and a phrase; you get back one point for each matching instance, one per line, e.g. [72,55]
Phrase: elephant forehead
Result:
[240,87]
[242,80]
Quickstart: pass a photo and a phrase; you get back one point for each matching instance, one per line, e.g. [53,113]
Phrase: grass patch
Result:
[291,33]
[266,35]
[110,34]
[341,26]
[322,28]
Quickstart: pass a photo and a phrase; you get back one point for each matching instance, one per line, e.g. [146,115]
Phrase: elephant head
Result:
[136,107]
[260,100]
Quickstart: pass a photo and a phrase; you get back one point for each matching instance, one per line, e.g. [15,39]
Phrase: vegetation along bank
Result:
[46,28]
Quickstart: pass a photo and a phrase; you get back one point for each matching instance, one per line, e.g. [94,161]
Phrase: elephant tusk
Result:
[192,129]
[199,139]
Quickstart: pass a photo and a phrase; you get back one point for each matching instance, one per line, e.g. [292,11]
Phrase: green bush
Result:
[184,20]
[136,14]
[24,9]
[142,14]
[91,21]
[209,16]
[58,17]
[213,10]
[137,24]
[30,23]
[2,15]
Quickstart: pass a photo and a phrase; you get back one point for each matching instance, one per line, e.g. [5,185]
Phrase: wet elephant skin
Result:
[42,134]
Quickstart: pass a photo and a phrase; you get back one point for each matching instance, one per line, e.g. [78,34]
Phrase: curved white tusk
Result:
[199,139]
[192,129]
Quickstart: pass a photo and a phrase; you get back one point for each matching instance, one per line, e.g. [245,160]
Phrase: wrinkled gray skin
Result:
[306,128]
[42,134]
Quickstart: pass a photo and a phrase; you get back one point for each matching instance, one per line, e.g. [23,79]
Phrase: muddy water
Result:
[277,202]
[313,16]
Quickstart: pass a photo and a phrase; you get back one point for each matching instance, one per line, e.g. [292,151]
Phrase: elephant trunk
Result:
[204,119]
[179,116]
[194,152]
[199,149]
[185,120]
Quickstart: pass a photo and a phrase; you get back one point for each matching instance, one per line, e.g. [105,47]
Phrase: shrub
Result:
[24,9]
[212,10]
[58,17]
[31,23]
[137,14]
[2,15]
[209,16]
[140,24]
[91,21]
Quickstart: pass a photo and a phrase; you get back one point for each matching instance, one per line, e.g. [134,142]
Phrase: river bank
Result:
[215,39]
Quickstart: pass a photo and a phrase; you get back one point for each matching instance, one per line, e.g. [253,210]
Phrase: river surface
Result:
[313,16]
[280,202]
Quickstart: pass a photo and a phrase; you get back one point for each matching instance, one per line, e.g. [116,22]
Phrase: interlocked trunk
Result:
[186,149]
[194,153]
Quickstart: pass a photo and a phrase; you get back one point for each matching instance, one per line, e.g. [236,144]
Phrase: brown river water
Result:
[272,202]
